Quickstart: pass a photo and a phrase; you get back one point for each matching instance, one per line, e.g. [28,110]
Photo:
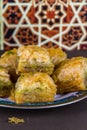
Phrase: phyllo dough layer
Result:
[34,59]
[57,55]
[71,75]
[9,61]
[38,87]
[5,83]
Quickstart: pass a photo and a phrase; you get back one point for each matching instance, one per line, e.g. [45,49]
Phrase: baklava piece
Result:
[57,55]
[5,83]
[71,75]
[34,59]
[37,87]
[8,60]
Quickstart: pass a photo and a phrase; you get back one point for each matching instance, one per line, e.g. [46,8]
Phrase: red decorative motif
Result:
[58,23]
[31,15]
[13,15]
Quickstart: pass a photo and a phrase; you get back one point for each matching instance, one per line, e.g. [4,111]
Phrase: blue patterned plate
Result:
[60,100]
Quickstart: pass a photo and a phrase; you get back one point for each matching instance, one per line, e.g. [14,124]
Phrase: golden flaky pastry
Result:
[8,60]
[38,87]
[57,55]
[5,83]
[71,75]
[34,59]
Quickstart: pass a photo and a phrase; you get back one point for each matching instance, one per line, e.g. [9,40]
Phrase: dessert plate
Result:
[60,100]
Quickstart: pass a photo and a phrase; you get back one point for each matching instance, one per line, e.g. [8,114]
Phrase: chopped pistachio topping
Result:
[15,120]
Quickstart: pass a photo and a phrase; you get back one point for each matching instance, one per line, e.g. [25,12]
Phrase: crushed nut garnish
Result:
[15,120]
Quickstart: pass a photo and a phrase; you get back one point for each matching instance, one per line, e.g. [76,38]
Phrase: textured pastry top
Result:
[33,54]
[57,55]
[9,59]
[35,59]
[33,80]
[71,75]
[37,87]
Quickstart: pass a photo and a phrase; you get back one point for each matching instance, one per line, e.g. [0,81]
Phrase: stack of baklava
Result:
[36,74]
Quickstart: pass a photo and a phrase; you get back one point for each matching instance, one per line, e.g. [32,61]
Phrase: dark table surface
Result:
[70,117]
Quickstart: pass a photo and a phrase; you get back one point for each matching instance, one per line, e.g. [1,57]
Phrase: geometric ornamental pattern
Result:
[58,23]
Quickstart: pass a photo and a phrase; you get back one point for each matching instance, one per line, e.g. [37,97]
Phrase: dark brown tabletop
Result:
[70,117]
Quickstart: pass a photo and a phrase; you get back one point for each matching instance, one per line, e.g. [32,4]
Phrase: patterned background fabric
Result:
[58,23]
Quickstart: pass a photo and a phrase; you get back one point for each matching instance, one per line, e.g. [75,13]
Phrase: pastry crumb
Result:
[15,120]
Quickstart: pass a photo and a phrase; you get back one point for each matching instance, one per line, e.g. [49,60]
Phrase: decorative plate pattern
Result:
[58,23]
[60,100]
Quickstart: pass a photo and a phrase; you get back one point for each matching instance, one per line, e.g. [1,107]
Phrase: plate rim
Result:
[79,97]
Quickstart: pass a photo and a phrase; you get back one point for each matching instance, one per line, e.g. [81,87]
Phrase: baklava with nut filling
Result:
[34,59]
[8,60]
[37,87]
[5,83]
[71,75]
